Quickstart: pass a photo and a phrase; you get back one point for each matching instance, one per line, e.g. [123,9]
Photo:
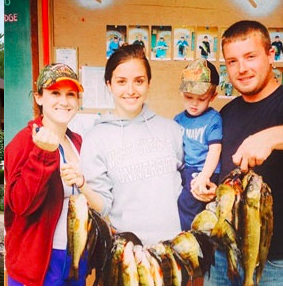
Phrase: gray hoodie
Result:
[134,165]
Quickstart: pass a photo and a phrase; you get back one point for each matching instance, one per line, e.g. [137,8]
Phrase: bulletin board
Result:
[96,23]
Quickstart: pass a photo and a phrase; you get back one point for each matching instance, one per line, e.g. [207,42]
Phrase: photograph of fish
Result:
[239,221]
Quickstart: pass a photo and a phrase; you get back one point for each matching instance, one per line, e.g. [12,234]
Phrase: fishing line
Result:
[64,161]
[62,153]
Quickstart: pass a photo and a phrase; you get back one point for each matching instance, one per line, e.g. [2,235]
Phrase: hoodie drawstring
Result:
[148,126]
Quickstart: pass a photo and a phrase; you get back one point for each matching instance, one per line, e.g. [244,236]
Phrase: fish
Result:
[204,222]
[155,269]
[92,238]
[188,250]
[103,245]
[211,206]
[129,236]
[143,267]
[236,213]
[113,268]
[130,275]
[77,226]
[250,225]
[233,253]
[208,247]
[176,267]
[233,259]
[225,198]
[266,230]
[234,174]
[234,179]
[159,253]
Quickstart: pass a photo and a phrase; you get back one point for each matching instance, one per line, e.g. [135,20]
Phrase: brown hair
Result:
[37,109]
[123,54]
[241,30]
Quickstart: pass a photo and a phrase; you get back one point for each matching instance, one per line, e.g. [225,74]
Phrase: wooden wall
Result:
[75,25]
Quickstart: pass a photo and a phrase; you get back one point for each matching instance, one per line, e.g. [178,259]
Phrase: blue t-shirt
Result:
[198,133]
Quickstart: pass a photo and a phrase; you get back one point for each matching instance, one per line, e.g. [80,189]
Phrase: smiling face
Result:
[249,66]
[129,86]
[59,104]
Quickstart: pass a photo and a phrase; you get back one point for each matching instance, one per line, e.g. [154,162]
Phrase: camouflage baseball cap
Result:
[197,77]
[54,73]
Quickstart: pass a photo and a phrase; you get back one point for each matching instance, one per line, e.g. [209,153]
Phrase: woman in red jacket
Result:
[36,198]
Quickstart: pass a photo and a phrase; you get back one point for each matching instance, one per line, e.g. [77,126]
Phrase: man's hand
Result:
[252,152]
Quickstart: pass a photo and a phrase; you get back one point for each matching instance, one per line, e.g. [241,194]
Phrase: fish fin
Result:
[186,264]
[232,259]
[208,246]
[218,230]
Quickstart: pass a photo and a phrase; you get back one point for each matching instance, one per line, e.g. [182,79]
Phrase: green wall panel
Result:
[18,67]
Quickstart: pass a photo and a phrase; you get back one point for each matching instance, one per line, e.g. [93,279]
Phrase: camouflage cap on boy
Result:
[54,73]
[198,76]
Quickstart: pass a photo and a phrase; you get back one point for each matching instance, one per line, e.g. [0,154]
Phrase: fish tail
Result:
[74,273]
[259,270]
[218,230]
[232,259]
[248,282]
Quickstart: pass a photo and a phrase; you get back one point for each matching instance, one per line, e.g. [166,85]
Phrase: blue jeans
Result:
[272,273]
[58,271]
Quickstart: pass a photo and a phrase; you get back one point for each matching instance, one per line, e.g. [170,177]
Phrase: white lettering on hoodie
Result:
[146,169]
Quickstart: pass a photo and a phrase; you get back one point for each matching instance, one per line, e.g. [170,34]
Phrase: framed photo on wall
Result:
[140,35]
[226,89]
[161,42]
[184,43]
[207,42]
[276,36]
[115,37]
[278,74]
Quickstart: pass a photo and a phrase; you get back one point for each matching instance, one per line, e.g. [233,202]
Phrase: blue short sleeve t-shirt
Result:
[198,133]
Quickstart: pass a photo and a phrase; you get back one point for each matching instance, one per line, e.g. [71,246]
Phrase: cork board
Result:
[83,24]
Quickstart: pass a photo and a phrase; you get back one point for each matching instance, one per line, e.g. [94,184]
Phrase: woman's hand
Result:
[71,175]
[44,138]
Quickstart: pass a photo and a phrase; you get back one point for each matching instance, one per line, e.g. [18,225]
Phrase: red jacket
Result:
[32,205]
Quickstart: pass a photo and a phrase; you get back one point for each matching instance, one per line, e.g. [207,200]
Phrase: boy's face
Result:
[196,104]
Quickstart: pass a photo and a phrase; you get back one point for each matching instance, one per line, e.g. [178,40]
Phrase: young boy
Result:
[202,134]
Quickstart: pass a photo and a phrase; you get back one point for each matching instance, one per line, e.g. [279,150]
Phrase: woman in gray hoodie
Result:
[130,158]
